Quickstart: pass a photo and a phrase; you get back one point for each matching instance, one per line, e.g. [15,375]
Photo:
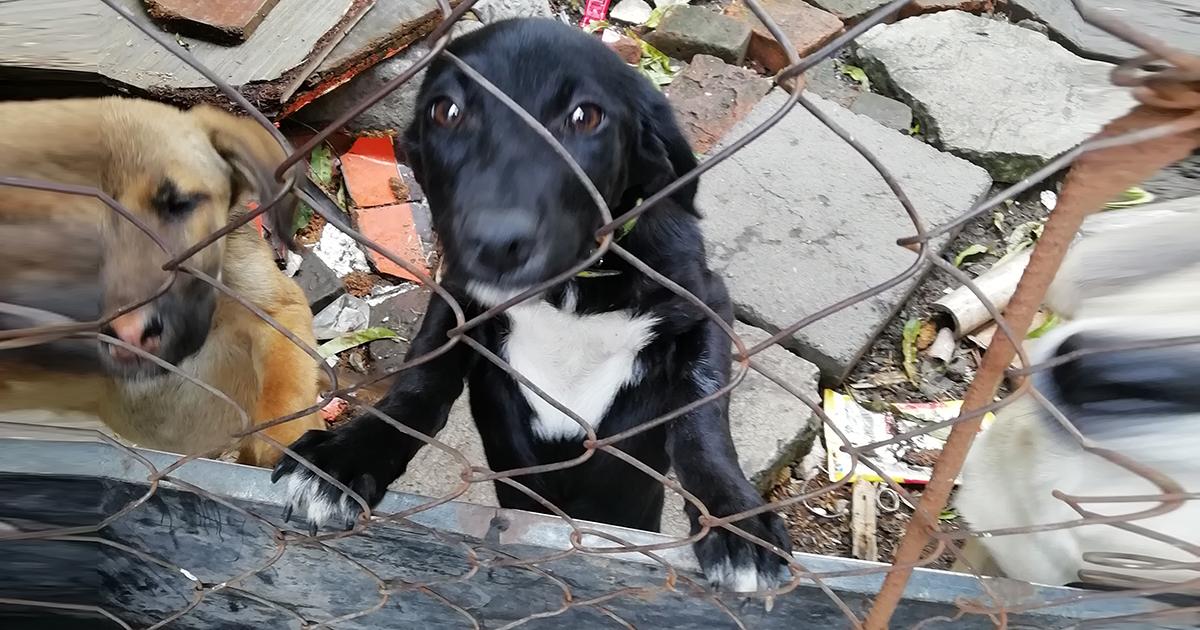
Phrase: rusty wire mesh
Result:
[1160,130]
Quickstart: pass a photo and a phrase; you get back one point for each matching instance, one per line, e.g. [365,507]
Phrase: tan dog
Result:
[182,174]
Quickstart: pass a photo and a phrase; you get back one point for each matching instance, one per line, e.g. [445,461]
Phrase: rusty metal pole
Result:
[1093,180]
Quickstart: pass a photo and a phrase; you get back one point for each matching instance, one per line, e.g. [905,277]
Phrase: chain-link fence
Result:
[439,563]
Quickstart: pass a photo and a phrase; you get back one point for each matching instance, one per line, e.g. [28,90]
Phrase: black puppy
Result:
[614,346]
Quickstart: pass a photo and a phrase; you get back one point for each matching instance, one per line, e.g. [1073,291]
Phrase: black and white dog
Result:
[615,346]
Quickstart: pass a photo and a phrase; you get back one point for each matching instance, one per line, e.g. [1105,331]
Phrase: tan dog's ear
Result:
[254,155]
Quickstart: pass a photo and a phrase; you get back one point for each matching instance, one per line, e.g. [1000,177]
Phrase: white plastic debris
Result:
[1049,199]
[293,264]
[382,293]
[943,346]
[631,11]
[340,252]
[344,315]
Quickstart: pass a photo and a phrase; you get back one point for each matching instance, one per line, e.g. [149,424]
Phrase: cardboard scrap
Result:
[863,426]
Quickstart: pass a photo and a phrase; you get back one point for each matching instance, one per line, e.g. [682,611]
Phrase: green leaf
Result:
[321,164]
[1133,197]
[948,514]
[908,346]
[1023,236]
[341,195]
[858,75]
[998,220]
[914,129]
[354,339]
[1051,321]
[656,16]
[971,250]
[656,65]
[304,214]
[598,25]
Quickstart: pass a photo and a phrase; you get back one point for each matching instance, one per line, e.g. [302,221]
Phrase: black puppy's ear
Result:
[662,154]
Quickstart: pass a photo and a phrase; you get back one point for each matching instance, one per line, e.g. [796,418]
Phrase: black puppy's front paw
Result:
[732,563]
[316,501]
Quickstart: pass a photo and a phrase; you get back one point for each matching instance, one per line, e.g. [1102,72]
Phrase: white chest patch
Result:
[582,361]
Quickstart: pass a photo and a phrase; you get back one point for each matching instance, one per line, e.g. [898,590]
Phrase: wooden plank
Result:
[228,22]
[863,512]
[387,28]
[85,36]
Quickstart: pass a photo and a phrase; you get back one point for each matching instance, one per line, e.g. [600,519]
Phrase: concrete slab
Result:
[1173,22]
[1038,102]
[798,220]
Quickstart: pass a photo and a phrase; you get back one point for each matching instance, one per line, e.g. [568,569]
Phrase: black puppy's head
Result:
[509,211]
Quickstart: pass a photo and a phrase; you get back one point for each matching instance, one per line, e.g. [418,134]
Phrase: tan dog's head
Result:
[183,174]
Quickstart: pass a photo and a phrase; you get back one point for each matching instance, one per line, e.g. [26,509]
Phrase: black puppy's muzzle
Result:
[505,247]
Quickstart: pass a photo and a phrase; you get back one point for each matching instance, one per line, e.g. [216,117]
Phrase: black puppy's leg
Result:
[706,464]
[367,454]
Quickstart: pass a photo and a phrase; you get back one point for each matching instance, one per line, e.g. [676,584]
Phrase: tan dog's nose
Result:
[141,329]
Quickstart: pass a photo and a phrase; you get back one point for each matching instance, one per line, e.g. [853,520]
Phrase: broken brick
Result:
[229,22]
[709,97]
[392,227]
[369,168]
[627,48]
[806,27]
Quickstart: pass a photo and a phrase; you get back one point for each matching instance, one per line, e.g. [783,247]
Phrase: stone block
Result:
[1039,99]
[798,220]
[686,31]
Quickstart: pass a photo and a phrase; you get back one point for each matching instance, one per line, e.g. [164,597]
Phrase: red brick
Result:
[222,21]
[710,97]
[392,227]
[369,168]
[627,48]
[807,27]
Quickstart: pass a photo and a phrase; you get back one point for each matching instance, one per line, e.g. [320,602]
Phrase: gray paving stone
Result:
[1039,99]
[686,31]
[1174,22]
[320,285]
[402,314]
[849,10]
[395,111]
[797,221]
[886,111]
[495,10]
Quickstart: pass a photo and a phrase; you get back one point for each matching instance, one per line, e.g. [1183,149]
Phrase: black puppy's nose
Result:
[501,240]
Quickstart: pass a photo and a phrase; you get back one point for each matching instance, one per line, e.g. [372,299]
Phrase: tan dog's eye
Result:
[445,113]
[586,118]
[171,202]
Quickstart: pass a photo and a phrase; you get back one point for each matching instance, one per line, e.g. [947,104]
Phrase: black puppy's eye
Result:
[445,113]
[586,118]
[171,202]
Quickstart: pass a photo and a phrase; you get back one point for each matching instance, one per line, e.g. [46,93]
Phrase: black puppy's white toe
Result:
[732,563]
[315,501]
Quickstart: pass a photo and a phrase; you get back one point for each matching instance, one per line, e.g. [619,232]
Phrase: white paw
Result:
[313,500]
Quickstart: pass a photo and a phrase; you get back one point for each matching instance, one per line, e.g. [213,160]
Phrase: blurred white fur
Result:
[1140,282]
